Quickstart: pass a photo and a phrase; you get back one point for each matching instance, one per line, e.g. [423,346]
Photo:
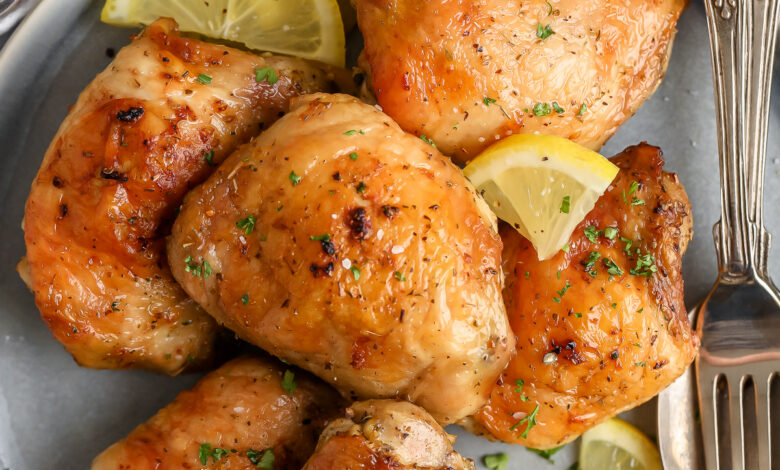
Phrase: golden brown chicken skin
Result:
[230,419]
[146,130]
[385,435]
[467,73]
[356,251]
[601,328]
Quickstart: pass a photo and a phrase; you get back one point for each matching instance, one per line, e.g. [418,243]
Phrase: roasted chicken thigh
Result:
[600,328]
[342,244]
[147,129]
[383,435]
[466,73]
[249,410]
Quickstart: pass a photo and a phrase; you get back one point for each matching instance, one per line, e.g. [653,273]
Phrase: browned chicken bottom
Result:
[385,435]
[247,412]
[144,132]
[601,328]
[356,251]
[466,73]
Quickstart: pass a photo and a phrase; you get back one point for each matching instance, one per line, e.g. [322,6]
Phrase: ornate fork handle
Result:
[762,53]
[742,49]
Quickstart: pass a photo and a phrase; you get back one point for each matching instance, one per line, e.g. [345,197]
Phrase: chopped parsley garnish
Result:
[198,270]
[546,454]
[266,73]
[209,156]
[496,461]
[206,451]
[247,224]
[115,306]
[245,299]
[355,272]
[557,108]
[428,140]
[578,315]
[529,421]
[612,267]
[645,265]
[294,179]
[528,275]
[566,204]
[542,109]
[361,187]
[628,243]
[488,101]
[641,364]
[261,459]
[610,233]
[288,382]
[519,389]
[614,355]
[325,237]
[591,234]
[635,201]
[353,156]
[566,248]
[400,276]
[560,293]
[354,131]
[550,11]
[544,32]
[590,263]
[583,110]
[204,79]
[614,305]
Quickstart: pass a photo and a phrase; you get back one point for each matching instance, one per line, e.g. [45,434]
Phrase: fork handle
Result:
[742,44]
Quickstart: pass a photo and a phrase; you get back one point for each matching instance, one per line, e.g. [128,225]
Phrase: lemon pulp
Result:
[617,445]
[310,29]
[542,185]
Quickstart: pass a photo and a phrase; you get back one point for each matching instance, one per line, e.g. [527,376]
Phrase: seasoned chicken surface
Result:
[146,130]
[601,328]
[229,420]
[384,435]
[469,72]
[356,251]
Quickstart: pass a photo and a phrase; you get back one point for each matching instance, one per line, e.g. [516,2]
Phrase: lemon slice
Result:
[542,185]
[304,28]
[616,445]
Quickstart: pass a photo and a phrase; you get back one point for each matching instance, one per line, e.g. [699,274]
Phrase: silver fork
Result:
[739,320]
[12,11]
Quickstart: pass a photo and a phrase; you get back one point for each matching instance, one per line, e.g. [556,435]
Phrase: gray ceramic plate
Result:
[54,414]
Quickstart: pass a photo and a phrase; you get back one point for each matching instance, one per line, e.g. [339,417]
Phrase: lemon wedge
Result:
[616,445]
[310,29]
[542,185]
